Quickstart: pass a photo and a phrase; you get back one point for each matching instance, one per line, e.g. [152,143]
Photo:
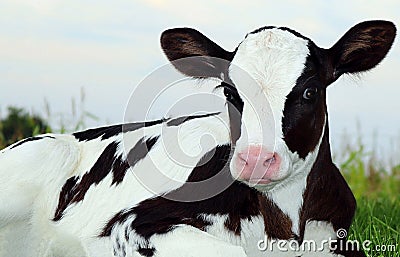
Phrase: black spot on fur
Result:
[116,219]
[148,252]
[137,153]
[303,120]
[181,120]
[103,132]
[97,173]
[29,139]
[123,249]
[114,130]
[65,197]
[110,131]
[120,167]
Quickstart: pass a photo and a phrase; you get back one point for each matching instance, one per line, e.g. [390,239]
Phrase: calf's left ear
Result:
[362,47]
[193,54]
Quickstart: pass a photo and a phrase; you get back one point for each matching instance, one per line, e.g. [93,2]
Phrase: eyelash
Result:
[226,86]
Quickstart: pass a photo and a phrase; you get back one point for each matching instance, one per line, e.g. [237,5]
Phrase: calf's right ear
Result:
[362,47]
[193,54]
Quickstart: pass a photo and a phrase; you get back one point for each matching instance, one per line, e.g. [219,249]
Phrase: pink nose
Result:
[258,165]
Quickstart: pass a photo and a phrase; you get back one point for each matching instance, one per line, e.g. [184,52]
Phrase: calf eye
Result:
[310,93]
[228,94]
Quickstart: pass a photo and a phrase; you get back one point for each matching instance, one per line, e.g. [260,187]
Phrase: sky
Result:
[51,50]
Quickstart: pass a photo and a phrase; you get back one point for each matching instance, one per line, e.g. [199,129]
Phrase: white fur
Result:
[196,244]
[37,170]
[219,230]
[264,70]
[129,246]
[23,172]
[179,150]
[252,232]
[319,232]
[26,171]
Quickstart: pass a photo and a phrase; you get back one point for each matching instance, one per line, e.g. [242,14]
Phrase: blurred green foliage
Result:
[19,124]
[377,190]
[367,178]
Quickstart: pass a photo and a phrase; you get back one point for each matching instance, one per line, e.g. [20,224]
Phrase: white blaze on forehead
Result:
[265,68]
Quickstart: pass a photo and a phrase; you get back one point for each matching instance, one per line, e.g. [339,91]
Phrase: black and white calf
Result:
[80,200]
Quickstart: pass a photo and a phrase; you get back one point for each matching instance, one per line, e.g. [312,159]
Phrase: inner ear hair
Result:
[180,43]
[194,54]
[362,47]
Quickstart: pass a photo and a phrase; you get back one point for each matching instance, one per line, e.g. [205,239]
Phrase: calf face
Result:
[275,84]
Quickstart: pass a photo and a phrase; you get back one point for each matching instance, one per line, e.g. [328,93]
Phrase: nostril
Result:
[242,158]
[270,161]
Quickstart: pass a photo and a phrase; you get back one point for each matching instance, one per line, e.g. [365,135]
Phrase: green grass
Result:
[377,191]
[378,221]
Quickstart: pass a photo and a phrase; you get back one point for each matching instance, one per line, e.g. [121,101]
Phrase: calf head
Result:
[275,85]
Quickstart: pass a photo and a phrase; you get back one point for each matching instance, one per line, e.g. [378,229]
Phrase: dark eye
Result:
[228,93]
[310,93]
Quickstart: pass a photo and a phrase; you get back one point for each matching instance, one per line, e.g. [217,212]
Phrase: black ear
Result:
[362,47]
[194,54]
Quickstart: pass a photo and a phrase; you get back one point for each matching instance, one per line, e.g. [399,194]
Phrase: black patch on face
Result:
[303,119]
[235,108]
[239,202]
[29,139]
[114,130]
[327,196]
